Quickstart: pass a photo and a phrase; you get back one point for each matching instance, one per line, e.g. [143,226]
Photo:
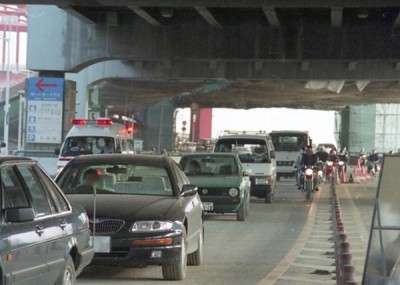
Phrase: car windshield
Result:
[209,165]
[288,142]
[249,150]
[129,179]
[74,146]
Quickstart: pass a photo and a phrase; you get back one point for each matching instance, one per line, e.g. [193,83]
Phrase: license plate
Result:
[101,244]
[208,206]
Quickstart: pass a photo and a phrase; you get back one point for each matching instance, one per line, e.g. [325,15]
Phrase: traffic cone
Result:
[351,180]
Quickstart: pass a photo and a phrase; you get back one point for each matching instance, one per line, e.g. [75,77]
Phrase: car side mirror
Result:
[57,151]
[188,190]
[272,154]
[19,215]
[246,174]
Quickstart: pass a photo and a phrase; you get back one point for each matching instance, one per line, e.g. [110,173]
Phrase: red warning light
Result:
[104,122]
[78,122]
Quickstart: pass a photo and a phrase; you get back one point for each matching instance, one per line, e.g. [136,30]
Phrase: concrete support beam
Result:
[77,15]
[145,16]
[271,15]
[205,13]
[397,20]
[336,17]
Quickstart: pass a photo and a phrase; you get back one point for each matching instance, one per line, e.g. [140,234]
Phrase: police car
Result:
[95,137]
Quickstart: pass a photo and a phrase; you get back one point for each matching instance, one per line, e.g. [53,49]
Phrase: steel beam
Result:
[271,15]
[145,16]
[192,69]
[231,3]
[205,13]
[336,17]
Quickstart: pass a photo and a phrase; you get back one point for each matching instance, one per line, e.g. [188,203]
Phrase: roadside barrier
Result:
[344,268]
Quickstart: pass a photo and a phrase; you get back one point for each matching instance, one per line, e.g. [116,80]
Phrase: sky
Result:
[320,124]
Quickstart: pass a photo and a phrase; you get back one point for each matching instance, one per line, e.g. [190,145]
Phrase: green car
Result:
[222,184]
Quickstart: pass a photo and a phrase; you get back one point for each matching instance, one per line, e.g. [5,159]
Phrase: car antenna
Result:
[94,211]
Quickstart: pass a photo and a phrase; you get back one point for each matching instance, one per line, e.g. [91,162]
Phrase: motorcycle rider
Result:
[308,159]
[362,157]
[333,156]
[298,166]
[374,159]
[344,156]
[322,154]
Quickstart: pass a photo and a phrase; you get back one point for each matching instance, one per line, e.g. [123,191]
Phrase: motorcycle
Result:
[372,167]
[312,178]
[334,170]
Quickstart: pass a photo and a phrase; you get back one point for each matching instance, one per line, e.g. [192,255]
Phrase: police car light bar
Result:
[78,122]
[100,122]
[104,122]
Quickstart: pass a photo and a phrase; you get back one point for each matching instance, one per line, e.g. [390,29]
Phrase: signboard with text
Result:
[94,103]
[45,110]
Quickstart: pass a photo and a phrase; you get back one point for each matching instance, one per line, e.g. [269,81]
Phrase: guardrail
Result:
[344,268]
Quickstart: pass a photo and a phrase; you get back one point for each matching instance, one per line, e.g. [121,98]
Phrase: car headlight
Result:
[341,162]
[309,172]
[233,192]
[151,226]
[320,172]
[329,163]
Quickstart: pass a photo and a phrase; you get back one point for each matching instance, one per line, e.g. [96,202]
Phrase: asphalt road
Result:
[235,252]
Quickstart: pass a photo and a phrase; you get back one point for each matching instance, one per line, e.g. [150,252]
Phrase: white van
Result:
[257,154]
[94,137]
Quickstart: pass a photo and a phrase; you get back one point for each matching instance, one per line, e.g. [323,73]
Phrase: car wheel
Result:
[241,213]
[177,271]
[68,275]
[269,199]
[196,258]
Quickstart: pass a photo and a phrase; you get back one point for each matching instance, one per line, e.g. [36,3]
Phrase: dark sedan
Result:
[43,239]
[142,209]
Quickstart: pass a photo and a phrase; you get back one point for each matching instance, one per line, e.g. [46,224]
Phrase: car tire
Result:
[241,213]
[269,199]
[196,258]
[68,274]
[177,271]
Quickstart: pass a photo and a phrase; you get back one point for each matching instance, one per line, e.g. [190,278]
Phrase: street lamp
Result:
[9,20]
[7,101]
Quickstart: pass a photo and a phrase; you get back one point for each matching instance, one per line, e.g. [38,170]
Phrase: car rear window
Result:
[127,179]
[209,165]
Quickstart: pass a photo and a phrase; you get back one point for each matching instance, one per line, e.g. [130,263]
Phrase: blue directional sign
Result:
[45,109]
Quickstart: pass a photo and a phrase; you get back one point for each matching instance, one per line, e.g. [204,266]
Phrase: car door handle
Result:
[39,230]
[62,224]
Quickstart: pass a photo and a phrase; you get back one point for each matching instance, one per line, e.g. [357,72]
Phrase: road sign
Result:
[138,145]
[45,110]
[94,103]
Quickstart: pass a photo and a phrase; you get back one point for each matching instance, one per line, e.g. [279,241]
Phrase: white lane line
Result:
[325,258]
[305,280]
[318,250]
[315,266]
[282,267]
